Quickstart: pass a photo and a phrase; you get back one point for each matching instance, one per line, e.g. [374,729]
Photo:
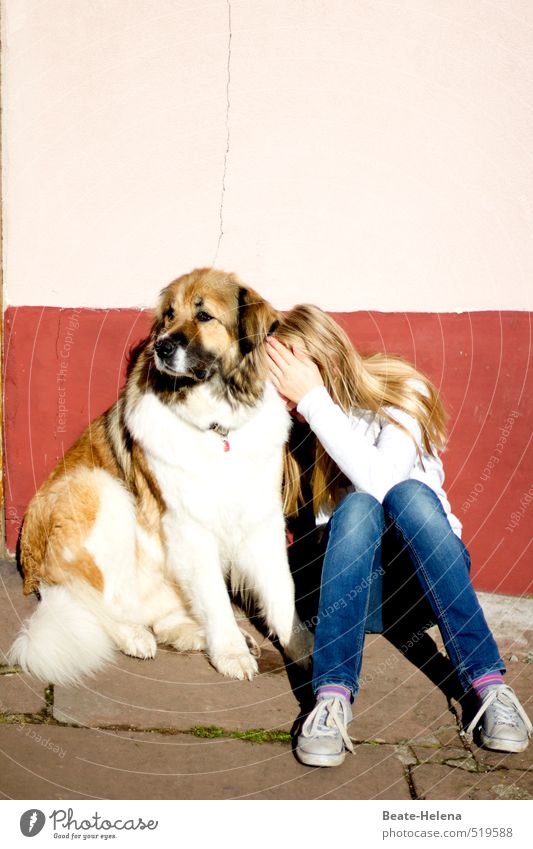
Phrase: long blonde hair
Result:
[354,381]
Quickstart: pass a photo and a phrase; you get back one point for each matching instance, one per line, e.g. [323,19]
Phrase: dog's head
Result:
[209,326]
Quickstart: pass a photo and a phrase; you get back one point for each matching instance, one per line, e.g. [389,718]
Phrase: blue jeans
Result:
[366,540]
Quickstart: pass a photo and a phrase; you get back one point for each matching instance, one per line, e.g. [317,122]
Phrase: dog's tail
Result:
[65,639]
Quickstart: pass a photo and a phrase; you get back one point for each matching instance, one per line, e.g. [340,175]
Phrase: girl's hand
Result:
[292,372]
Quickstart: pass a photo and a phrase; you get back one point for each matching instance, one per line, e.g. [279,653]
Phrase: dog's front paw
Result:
[179,631]
[137,641]
[239,666]
[189,638]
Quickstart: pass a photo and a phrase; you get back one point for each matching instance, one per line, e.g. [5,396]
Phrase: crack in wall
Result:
[226,153]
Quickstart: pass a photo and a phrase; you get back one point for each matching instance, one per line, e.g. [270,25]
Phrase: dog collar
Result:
[222,432]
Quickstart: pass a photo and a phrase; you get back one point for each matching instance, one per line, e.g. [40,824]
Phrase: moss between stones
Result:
[24,719]
[254,735]
[43,717]
[49,700]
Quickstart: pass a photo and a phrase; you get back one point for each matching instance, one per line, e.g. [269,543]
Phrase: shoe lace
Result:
[506,706]
[328,717]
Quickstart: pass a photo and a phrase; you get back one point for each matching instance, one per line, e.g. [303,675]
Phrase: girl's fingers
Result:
[275,356]
[275,371]
[275,362]
[277,348]
[271,340]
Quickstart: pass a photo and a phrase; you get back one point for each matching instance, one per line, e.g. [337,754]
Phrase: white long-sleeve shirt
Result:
[373,453]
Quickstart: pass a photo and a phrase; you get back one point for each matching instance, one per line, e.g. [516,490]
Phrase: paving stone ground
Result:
[173,728]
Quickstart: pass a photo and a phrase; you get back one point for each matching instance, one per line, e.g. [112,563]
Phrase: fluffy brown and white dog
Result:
[170,493]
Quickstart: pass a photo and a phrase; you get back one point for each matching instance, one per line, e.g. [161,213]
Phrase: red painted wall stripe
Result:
[64,366]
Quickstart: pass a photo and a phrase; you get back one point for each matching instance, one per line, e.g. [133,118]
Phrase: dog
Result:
[167,497]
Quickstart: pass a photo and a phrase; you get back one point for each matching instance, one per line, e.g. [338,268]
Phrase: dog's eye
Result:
[170,313]
[203,316]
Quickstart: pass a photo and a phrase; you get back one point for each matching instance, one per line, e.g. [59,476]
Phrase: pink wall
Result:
[360,155]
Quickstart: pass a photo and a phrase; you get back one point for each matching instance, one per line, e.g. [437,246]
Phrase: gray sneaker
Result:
[505,725]
[324,739]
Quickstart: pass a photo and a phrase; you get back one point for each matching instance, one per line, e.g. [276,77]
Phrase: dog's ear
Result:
[256,319]
[164,306]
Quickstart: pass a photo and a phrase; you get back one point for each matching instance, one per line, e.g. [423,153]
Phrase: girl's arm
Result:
[370,468]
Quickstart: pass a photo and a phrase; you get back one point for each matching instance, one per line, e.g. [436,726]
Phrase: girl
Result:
[377,480]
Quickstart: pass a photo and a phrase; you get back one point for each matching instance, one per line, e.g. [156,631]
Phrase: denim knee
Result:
[358,522]
[358,514]
[411,500]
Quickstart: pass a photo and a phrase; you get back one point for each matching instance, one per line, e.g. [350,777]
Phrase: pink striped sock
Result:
[328,691]
[488,680]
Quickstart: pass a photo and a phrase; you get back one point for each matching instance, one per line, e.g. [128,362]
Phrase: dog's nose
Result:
[165,347]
